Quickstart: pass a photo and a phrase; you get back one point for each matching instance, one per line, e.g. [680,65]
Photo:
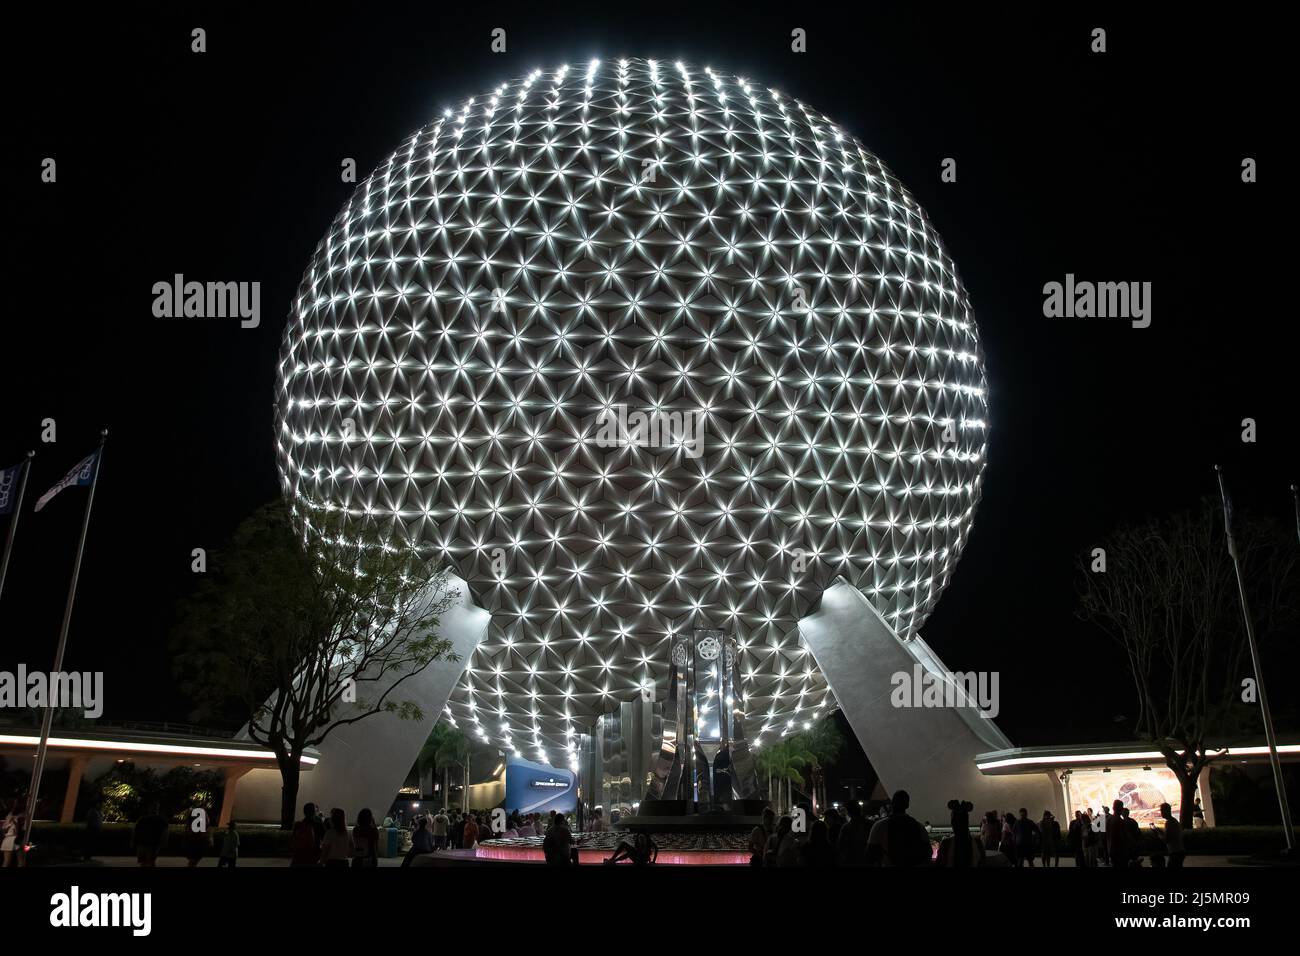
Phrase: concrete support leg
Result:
[76,767]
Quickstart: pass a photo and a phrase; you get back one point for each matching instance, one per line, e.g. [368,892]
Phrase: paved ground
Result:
[177,861]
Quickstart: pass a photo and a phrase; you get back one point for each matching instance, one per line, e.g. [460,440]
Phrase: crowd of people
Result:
[1109,837]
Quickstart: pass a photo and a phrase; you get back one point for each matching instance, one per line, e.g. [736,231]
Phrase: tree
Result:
[302,613]
[1168,598]
[446,747]
[782,762]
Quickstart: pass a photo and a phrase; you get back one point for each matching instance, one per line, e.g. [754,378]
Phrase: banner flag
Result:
[82,474]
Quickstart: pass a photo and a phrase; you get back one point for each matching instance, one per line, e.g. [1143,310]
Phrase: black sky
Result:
[1120,167]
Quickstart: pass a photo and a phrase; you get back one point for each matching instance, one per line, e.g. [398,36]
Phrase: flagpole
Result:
[1295,493]
[1273,758]
[33,792]
[13,524]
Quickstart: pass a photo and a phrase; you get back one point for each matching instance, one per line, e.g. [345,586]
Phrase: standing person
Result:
[1007,839]
[1173,837]
[960,849]
[365,841]
[851,847]
[1090,840]
[197,844]
[1117,839]
[898,839]
[149,836]
[772,854]
[818,851]
[304,845]
[1049,831]
[991,831]
[1077,839]
[758,837]
[1134,833]
[94,830]
[1100,824]
[336,845]
[9,831]
[229,855]
[440,826]
[1198,815]
[1028,837]
[469,836]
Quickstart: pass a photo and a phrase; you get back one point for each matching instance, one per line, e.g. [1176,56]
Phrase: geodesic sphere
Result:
[638,347]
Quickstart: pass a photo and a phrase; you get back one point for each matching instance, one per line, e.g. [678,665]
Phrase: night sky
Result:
[225,166]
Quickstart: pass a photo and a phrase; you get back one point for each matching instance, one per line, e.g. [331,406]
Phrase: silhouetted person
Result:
[960,849]
[851,847]
[304,844]
[759,835]
[1027,838]
[1173,837]
[898,839]
[149,836]
[818,850]
[1117,839]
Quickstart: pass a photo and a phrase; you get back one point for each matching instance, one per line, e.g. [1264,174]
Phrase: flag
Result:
[9,488]
[82,474]
[1227,515]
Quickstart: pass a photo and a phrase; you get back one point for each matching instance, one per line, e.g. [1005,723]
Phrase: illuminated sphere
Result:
[669,239]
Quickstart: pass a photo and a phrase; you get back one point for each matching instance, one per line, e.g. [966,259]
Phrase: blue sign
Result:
[537,788]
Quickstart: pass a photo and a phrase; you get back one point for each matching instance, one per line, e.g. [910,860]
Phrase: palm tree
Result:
[446,747]
[454,751]
[783,762]
[823,744]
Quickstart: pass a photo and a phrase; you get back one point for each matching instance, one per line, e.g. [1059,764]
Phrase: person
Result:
[641,851]
[440,826]
[1117,838]
[1100,824]
[851,847]
[898,839]
[818,850]
[421,841]
[1049,830]
[149,836]
[469,836]
[991,831]
[783,832]
[834,824]
[336,846]
[94,830]
[229,847]
[758,837]
[1173,837]
[960,849]
[365,841]
[304,844]
[1077,839]
[1090,840]
[558,844]
[197,844]
[1028,838]
[1007,839]
[10,832]
[1134,835]
[1198,815]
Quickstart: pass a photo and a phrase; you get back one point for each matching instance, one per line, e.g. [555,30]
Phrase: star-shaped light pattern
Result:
[665,238]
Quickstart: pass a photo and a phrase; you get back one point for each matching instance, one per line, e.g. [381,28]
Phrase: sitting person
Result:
[642,851]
